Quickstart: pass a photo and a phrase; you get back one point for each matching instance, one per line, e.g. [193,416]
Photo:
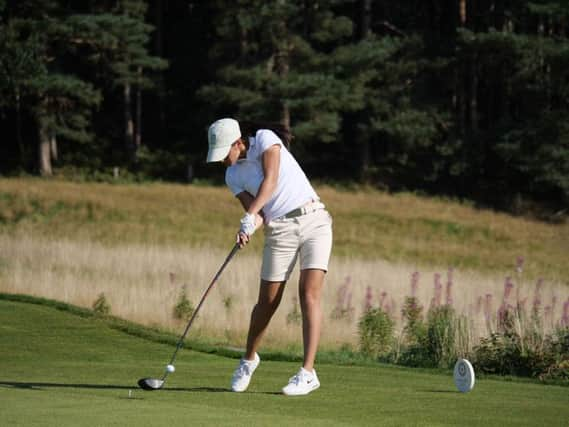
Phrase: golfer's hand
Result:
[249,224]
[242,239]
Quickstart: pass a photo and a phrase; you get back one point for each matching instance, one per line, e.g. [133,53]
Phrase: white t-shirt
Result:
[293,188]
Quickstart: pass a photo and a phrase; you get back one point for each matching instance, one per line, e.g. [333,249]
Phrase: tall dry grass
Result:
[368,224]
[142,283]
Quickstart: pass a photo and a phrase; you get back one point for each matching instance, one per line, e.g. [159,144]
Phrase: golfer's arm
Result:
[271,164]
[246,199]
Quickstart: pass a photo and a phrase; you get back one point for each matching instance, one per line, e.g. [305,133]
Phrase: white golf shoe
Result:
[242,375]
[302,383]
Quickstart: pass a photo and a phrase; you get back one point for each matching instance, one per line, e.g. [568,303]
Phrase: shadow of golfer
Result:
[43,385]
[217,390]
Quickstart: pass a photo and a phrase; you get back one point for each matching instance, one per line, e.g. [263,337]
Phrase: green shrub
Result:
[463,337]
[413,351]
[507,354]
[557,346]
[497,354]
[376,333]
[556,371]
[183,309]
[560,342]
[414,329]
[440,337]
[101,305]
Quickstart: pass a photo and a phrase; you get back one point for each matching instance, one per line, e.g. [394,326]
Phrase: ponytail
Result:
[283,132]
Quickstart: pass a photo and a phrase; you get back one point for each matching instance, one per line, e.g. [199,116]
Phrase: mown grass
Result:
[368,224]
[60,369]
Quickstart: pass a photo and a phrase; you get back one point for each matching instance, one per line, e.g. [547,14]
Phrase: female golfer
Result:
[274,191]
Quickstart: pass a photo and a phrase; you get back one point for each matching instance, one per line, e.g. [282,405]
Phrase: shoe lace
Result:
[243,369]
[297,378]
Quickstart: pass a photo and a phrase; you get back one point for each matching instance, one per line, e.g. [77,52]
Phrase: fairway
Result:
[59,369]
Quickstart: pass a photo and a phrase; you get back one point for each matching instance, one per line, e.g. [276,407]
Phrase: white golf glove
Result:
[248,224]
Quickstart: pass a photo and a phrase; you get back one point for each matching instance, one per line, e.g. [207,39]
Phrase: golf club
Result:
[155,383]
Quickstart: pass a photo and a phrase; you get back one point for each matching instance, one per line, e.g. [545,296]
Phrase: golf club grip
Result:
[194,315]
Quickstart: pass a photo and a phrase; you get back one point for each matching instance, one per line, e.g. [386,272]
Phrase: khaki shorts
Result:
[308,236]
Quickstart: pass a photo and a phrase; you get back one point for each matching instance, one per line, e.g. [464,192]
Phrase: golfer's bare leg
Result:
[270,295]
[310,291]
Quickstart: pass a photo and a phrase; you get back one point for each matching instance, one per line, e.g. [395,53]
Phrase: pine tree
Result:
[519,142]
[43,68]
[19,64]
[60,103]
[117,43]
[272,65]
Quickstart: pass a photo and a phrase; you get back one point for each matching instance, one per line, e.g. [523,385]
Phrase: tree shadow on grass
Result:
[39,386]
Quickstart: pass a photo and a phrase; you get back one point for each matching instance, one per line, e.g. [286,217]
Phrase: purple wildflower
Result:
[508,286]
[449,286]
[436,301]
[502,315]
[342,293]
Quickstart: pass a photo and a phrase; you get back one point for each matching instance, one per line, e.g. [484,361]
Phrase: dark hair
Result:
[283,132]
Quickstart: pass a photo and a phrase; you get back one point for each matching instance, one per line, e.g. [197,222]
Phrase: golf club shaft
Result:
[194,315]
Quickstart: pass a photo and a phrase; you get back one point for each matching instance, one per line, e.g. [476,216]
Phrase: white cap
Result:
[220,136]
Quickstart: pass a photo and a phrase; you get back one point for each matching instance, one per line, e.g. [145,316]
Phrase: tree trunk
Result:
[365,25]
[362,140]
[461,95]
[285,118]
[473,105]
[282,68]
[159,28]
[44,152]
[53,146]
[128,125]
[138,134]
[161,11]
[20,140]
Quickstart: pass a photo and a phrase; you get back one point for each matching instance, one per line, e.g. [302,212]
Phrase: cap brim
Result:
[217,154]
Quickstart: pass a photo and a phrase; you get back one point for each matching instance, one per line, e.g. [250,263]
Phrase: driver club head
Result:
[150,383]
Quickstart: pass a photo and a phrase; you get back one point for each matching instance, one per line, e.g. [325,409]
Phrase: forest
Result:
[466,99]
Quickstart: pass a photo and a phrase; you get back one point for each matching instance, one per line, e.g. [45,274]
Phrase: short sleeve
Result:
[266,139]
